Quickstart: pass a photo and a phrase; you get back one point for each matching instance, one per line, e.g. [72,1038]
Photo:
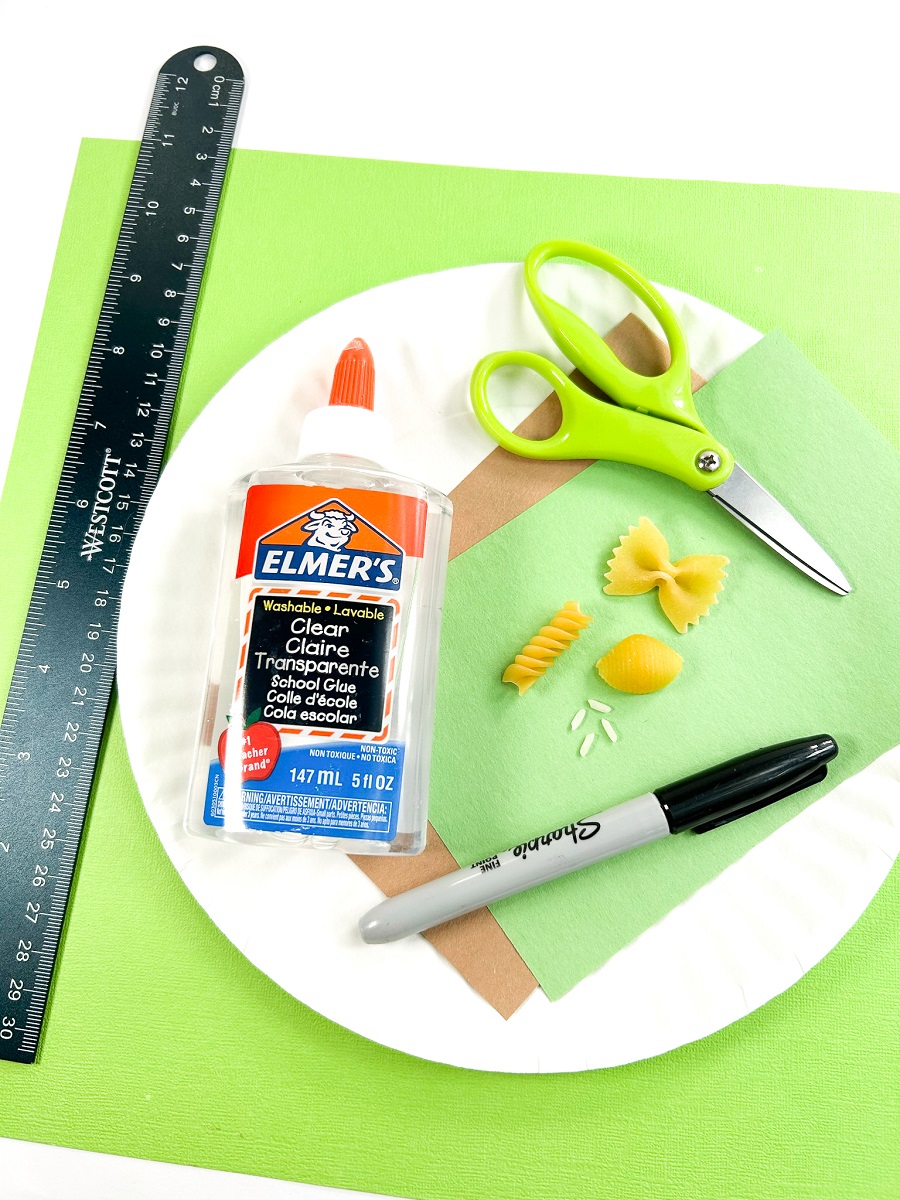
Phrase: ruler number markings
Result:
[62,681]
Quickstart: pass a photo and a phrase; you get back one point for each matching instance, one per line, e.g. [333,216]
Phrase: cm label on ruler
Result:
[62,680]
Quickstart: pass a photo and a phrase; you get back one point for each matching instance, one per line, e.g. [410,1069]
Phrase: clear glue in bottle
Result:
[320,692]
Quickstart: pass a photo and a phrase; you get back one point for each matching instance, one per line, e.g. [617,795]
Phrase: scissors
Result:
[650,421]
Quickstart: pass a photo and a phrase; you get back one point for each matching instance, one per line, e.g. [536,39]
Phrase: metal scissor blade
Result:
[763,515]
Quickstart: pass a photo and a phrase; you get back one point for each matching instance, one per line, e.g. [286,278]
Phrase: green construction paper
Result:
[778,657]
[162,1040]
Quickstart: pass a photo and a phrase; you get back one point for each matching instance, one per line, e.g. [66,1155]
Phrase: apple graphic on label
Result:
[260,747]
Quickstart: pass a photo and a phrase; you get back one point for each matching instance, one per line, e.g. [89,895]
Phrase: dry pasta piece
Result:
[546,646]
[639,664]
[687,589]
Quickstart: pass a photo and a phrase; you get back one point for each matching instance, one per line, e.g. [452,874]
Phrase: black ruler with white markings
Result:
[62,681]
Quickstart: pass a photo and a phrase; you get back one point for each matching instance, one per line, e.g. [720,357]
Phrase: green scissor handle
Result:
[652,424]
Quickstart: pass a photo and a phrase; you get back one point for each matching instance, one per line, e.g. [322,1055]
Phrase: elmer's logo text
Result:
[329,544]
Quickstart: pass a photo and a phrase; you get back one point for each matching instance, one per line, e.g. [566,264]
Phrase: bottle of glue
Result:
[320,691]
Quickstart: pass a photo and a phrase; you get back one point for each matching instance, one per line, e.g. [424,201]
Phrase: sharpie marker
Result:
[702,802]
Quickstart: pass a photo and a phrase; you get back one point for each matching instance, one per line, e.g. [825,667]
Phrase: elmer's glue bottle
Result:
[320,693]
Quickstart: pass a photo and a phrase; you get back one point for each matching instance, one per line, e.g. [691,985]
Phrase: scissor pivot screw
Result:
[709,461]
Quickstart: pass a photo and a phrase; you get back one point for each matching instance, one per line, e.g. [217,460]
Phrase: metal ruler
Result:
[62,681]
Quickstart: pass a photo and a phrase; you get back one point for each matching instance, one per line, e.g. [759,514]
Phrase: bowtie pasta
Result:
[687,589]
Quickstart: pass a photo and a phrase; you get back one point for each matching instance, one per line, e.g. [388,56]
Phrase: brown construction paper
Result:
[474,943]
[501,487]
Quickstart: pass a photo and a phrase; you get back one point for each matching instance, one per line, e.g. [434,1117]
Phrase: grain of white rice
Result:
[610,732]
[598,707]
[586,745]
[578,718]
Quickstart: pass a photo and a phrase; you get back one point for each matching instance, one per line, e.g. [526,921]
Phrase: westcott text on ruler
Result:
[62,680]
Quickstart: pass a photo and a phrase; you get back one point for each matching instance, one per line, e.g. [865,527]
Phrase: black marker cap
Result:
[743,785]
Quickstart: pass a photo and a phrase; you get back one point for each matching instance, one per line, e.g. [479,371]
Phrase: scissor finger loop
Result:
[557,445]
[667,395]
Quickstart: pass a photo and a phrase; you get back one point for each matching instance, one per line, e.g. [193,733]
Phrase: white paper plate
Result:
[742,939]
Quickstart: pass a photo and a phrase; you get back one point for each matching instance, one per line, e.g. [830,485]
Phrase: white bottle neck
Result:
[345,430]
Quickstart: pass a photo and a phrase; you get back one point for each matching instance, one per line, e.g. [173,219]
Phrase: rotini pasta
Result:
[546,646]
[687,589]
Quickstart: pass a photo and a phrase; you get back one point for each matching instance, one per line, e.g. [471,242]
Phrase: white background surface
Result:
[776,91]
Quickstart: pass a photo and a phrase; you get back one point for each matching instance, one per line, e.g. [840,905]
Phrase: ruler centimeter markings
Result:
[62,680]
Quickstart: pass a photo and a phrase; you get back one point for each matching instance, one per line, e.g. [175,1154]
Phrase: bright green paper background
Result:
[163,1042]
[777,657]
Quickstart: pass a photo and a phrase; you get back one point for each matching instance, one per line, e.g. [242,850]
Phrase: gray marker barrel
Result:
[525,866]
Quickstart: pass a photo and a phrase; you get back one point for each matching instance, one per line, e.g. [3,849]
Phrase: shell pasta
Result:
[639,664]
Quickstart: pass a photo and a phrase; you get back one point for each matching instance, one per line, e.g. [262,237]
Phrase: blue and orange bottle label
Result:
[325,577]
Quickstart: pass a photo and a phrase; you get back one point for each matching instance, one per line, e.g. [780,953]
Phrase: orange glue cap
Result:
[354,377]
[348,424]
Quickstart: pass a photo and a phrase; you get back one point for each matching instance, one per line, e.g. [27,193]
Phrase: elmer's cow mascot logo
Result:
[330,527]
[330,544]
